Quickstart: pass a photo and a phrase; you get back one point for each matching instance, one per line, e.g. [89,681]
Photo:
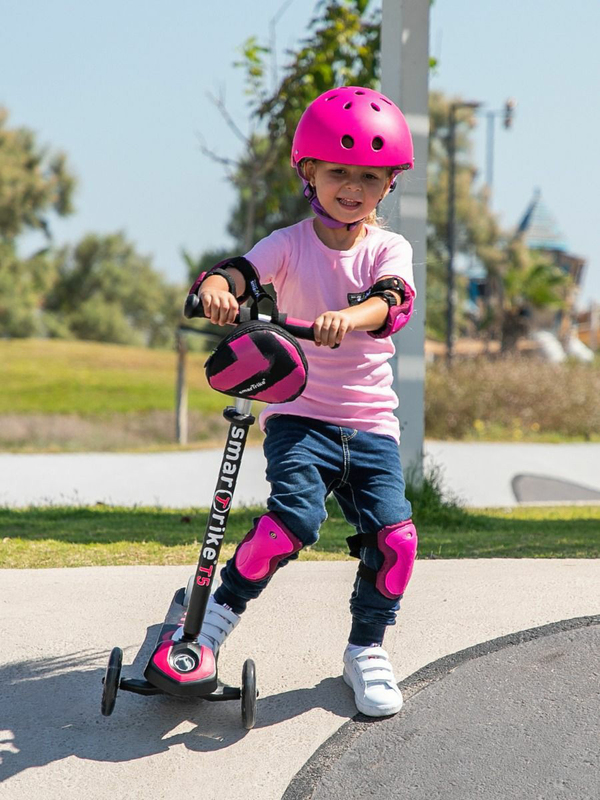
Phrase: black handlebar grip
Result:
[193,307]
[297,327]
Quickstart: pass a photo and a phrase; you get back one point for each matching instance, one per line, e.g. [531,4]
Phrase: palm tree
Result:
[530,280]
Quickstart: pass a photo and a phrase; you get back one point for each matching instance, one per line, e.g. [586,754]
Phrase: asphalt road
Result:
[518,717]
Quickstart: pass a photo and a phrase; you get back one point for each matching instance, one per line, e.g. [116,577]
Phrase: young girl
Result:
[341,435]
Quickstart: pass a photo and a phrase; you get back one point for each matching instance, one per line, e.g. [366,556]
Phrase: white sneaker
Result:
[368,671]
[218,623]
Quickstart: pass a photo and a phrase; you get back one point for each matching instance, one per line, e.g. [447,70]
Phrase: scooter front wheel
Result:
[112,679]
[248,694]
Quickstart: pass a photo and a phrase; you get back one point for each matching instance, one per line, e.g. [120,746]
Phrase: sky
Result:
[123,89]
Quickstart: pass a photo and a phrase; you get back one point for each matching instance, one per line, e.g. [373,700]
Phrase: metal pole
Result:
[594,325]
[181,414]
[450,232]
[404,79]
[489,160]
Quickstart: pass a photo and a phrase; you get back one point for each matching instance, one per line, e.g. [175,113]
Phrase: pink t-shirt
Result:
[352,385]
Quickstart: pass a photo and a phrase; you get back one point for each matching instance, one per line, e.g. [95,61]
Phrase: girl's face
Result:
[347,192]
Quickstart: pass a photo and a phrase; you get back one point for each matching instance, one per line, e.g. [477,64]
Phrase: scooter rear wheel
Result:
[248,694]
[112,679]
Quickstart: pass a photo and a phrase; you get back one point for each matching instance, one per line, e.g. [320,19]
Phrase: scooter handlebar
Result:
[297,327]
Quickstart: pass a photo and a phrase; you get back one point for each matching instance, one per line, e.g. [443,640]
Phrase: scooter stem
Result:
[240,421]
[243,406]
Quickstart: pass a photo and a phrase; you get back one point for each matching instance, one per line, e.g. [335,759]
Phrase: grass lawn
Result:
[62,396]
[103,535]
[48,376]
[80,396]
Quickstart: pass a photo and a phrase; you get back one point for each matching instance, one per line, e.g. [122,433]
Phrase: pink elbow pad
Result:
[397,317]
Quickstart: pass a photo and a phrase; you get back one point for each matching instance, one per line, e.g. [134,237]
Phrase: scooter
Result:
[179,665]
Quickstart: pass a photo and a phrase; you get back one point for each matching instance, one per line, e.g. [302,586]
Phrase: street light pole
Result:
[489,157]
[507,115]
[450,233]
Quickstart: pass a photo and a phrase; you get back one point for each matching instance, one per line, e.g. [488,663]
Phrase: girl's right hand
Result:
[220,306]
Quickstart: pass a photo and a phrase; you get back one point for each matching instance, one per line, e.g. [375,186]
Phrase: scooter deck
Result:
[182,668]
[174,618]
[213,690]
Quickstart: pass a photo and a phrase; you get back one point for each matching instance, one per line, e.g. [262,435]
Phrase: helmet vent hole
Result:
[347,142]
[331,97]
[385,100]
[377,143]
[358,92]
[348,105]
[375,107]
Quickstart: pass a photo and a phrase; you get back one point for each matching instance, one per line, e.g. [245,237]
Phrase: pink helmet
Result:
[352,125]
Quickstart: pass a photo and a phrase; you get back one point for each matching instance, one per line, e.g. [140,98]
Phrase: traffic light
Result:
[509,111]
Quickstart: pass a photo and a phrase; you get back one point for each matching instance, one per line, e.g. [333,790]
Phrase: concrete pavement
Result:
[58,626]
[480,474]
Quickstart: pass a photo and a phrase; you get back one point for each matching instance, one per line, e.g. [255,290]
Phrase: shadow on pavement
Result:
[50,709]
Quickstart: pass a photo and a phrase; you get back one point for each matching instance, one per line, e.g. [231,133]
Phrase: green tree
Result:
[202,263]
[342,47]
[23,282]
[106,291]
[99,289]
[477,232]
[34,184]
[529,281]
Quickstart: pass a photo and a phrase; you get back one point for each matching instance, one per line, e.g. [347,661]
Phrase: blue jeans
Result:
[306,461]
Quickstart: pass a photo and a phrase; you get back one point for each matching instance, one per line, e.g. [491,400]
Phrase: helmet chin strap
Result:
[327,219]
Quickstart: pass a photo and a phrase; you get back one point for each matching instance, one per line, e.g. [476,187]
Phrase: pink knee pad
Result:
[262,549]
[398,543]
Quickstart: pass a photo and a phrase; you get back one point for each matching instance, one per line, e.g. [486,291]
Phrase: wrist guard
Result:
[398,313]
[222,273]
[252,288]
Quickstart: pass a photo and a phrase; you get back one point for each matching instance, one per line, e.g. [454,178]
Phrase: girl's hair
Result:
[372,218]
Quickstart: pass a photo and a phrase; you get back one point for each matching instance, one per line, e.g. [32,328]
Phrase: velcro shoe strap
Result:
[218,622]
[374,665]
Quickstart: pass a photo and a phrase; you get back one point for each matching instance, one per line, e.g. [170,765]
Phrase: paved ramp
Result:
[516,717]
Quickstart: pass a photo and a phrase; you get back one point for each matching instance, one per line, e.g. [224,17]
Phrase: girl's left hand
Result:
[331,327]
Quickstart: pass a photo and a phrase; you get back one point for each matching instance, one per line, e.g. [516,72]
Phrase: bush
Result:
[519,396]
